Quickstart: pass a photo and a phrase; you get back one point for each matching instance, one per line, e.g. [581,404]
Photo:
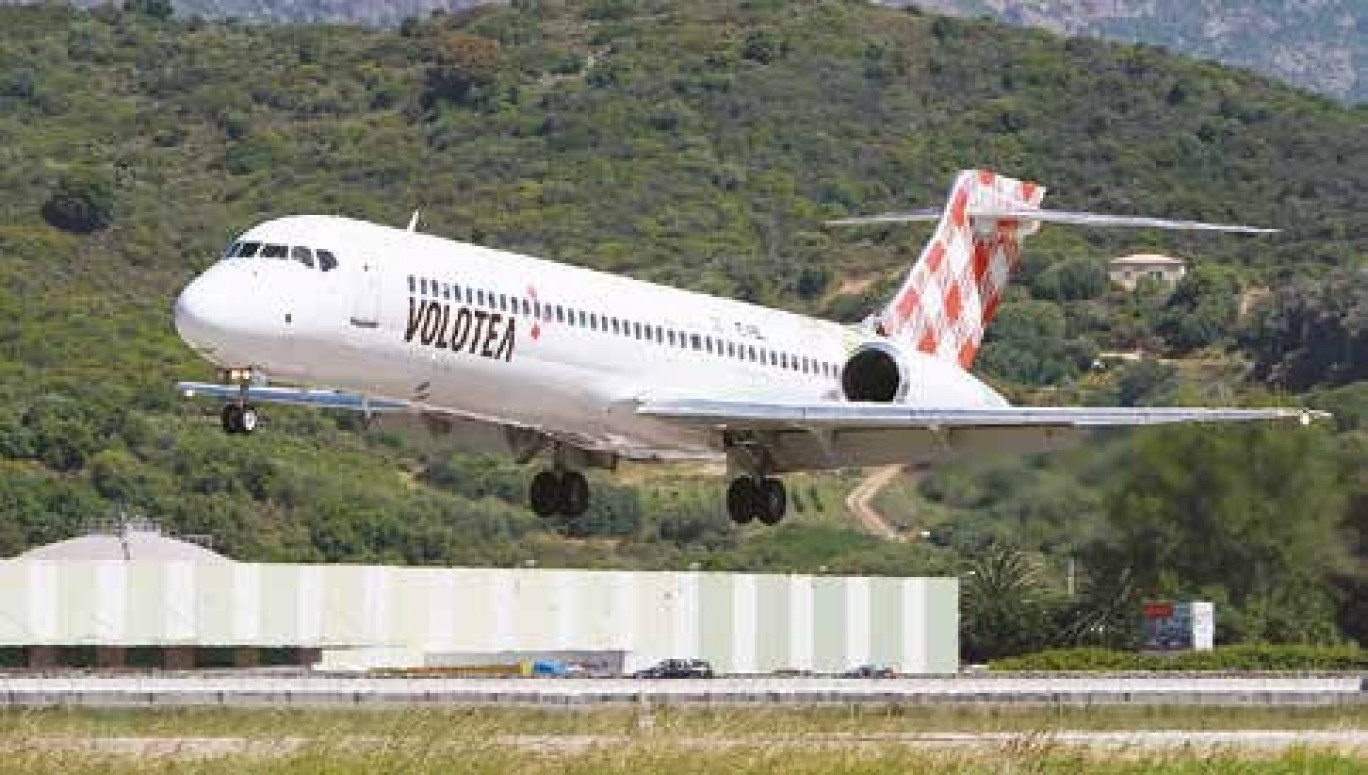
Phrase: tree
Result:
[1076,279]
[1004,607]
[1202,310]
[464,65]
[156,9]
[83,202]
[1247,516]
[1313,331]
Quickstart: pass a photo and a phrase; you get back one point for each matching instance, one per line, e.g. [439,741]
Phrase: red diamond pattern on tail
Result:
[956,286]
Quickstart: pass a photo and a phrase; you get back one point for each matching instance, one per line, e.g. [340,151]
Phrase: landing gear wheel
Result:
[743,500]
[773,501]
[574,500]
[544,495]
[231,417]
[247,419]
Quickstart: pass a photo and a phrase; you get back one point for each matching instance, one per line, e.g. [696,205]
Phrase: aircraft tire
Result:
[743,498]
[544,494]
[773,501]
[574,492]
[231,417]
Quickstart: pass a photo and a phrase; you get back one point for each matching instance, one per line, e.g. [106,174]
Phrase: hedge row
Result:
[1227,658]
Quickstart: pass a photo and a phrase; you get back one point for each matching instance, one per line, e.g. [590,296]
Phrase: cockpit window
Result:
[248,249]
[326,260]
[303,256]
[275,251]
[232,250]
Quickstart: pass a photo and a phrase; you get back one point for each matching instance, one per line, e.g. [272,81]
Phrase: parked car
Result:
[677,668]
[869,671]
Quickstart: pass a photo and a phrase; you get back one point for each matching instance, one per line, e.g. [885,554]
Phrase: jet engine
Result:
[877,372]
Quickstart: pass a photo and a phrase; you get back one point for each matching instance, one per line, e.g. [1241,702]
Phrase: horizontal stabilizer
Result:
[1056,216]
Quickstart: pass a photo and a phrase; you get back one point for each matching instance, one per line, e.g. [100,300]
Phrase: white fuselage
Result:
[491,335]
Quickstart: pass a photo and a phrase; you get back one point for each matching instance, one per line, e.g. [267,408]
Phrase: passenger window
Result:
[456,292]
[560,314]
[275,251]
[527,307]
[446,291]
[752,352]
[696,341]
[423,283]
[503,302]
[583,319]
[302,255]
[672,337]
[636,330]
[614,322]
[479,297]
[326,260]
[413,285]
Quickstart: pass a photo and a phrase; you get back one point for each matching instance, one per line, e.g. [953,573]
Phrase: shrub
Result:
[1226,658]
[83,202]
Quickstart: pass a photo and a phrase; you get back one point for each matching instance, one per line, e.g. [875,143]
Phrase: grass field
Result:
[662,741]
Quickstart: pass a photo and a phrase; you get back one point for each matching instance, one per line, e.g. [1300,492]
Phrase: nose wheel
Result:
[239,419]
[559,494]
[750,498]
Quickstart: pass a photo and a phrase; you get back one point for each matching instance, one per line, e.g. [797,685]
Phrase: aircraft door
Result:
[365,311]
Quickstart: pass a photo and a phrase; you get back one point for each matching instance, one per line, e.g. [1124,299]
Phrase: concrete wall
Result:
[372,616]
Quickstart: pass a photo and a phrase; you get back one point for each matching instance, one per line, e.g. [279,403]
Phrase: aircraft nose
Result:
[203,313]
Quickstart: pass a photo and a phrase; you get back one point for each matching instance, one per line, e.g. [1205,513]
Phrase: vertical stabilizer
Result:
[955,287]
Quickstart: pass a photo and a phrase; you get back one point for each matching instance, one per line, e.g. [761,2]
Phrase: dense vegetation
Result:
[1229,658]
[701,145]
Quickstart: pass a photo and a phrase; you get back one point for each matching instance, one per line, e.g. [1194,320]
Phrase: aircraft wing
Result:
[327,399]
[836,415]
[835,434]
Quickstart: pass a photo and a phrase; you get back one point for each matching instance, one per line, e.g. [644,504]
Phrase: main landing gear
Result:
[762,498]
[559,493]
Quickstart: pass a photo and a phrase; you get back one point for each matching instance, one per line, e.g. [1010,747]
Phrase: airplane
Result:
[588,369]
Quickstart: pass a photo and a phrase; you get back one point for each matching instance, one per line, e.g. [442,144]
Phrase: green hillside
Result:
[700,145]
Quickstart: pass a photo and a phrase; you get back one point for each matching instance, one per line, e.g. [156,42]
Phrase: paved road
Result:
[369,691]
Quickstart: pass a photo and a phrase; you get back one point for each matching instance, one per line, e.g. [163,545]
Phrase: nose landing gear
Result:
[559,493]
[239,418]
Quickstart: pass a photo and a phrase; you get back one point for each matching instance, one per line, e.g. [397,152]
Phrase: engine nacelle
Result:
[877,372]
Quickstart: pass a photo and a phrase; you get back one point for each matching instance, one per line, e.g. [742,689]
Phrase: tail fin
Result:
[955,287]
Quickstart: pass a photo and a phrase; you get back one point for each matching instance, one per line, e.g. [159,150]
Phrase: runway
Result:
[371,691]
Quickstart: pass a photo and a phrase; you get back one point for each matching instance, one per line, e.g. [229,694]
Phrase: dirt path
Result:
[860,502]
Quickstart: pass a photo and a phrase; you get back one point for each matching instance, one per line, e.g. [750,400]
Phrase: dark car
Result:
[869,671]
[677,668]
